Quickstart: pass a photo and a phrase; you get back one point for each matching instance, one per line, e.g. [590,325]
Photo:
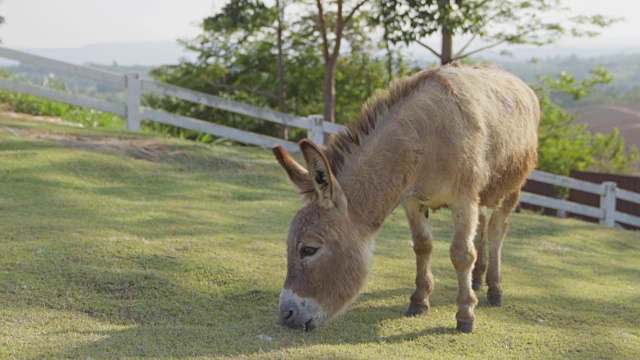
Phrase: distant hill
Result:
[604,118]
[625,68]
[127,54]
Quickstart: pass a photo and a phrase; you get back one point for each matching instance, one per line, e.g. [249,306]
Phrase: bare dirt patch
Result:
[145,149]
[148,149]
[48,119]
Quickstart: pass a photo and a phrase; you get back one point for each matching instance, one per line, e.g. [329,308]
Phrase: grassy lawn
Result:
[118,245]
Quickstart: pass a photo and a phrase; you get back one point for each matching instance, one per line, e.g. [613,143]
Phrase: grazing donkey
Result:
[458,137]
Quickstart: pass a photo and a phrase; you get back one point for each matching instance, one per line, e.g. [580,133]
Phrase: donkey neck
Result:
[377,174]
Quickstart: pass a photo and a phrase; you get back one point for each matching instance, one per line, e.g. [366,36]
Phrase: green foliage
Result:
[534,22]
[565,146]
[246,70]
[246,16]
[32,105]
[610,154]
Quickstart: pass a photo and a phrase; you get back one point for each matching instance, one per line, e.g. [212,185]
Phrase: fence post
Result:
[133,102]
[608,203]
[316,132]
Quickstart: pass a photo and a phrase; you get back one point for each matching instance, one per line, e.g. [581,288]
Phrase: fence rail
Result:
[608,191]
[219,130]
[558,204]
[132,110]
[55,95]
[83,71]
[568,182]
[237,107]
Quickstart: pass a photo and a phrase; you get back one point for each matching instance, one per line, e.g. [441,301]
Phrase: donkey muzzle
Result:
[299,313]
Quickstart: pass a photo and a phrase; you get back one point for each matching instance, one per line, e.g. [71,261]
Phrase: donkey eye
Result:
[307,251]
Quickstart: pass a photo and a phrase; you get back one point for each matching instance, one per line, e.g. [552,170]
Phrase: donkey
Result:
[459,137]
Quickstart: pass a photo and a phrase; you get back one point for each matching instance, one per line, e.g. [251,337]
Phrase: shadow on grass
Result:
[179,332]
[237,333]
[65,192]
[169,320]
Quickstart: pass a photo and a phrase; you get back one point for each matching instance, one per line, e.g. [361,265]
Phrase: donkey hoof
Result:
[494,299]
[476,286]
[416,309]
[465,327]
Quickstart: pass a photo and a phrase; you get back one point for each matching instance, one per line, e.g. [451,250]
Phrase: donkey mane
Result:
[373,111]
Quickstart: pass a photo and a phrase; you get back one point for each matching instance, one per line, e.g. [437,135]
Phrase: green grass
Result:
[104,254]
[33,105]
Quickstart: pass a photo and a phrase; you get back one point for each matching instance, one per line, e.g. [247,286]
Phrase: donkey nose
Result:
[289,314]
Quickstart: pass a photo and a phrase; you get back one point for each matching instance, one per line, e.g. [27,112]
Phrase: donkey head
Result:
[328,255]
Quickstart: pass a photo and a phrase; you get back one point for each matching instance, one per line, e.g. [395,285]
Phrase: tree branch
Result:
[323,30]
[339,28]
[353,11]
[478,50]
[429,48]
[465,46]
[481,4]
[342,22]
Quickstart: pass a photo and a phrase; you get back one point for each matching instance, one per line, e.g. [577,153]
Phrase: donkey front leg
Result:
[463,256]
[422,246]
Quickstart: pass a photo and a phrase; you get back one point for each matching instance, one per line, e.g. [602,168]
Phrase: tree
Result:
[280,6]
[252,18]
[332,34]
[495,22]
[566,146]
[241,63]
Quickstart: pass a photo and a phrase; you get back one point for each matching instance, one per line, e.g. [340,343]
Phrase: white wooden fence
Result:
[133,112]
[608,191]
[134,87]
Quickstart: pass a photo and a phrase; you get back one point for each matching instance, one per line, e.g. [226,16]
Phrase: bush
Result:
[27,104]
[566,146]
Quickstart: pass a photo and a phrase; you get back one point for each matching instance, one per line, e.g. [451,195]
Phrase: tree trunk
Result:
[389,60]
[330,89]
[367,74]
[447,47]
[284,133]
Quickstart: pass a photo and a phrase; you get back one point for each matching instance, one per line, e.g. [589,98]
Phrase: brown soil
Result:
[144,149]
[604,118]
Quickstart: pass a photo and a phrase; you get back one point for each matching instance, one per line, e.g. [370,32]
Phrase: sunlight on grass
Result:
[107,254]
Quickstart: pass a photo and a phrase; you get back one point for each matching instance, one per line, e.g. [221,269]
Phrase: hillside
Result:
[128,54]
[120,245]
[604,118]
[625,68]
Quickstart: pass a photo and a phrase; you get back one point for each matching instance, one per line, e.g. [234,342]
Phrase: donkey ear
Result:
[298,175]
[321,176]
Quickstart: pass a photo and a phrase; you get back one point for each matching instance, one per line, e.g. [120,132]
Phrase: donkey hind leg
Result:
[422,246]
[479,241]
[463,256]
[498,226]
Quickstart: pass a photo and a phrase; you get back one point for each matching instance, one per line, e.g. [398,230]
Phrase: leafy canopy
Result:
[494,22]
[565,145]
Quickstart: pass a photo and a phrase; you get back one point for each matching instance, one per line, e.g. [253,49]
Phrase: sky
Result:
[76,23]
